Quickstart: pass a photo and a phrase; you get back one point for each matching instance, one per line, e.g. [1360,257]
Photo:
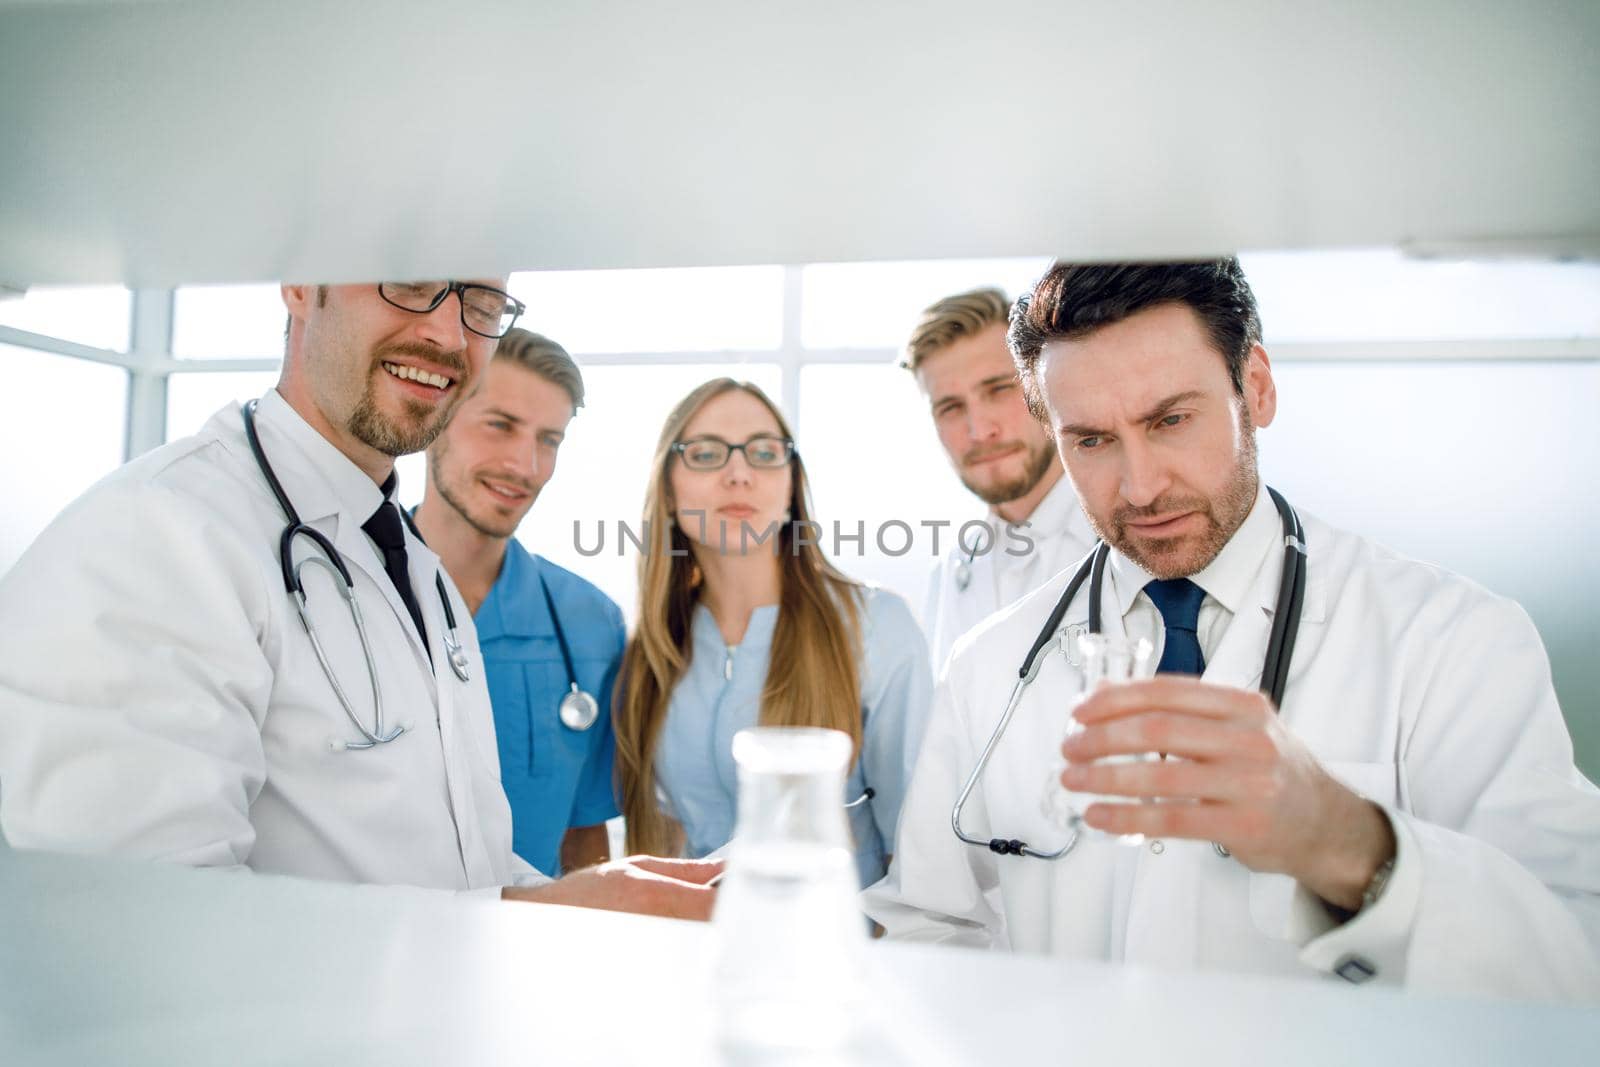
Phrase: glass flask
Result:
[1106,660]
[790,931]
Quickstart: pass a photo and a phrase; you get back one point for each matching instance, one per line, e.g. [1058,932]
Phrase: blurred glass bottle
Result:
[790,931]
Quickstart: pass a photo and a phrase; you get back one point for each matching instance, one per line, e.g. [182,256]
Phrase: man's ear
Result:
[1260,392]
[298,299]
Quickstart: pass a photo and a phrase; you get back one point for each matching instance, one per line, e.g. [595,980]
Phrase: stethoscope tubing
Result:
[332,561]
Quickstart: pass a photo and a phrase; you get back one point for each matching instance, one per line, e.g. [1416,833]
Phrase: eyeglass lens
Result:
[710,453]
[484,310]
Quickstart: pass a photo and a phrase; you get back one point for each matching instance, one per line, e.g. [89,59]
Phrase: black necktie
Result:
[1178,600]
[390,536]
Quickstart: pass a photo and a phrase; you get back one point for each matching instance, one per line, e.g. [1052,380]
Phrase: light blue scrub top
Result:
[720,694]
[554,777]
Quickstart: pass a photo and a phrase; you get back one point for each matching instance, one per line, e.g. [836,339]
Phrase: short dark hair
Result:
[1073,300]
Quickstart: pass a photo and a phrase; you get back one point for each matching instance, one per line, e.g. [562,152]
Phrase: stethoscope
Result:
[964,569]
[333,563]
[963,575]
[1274,672]
[578,710]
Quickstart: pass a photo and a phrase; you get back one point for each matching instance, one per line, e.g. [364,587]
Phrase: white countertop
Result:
[107,962]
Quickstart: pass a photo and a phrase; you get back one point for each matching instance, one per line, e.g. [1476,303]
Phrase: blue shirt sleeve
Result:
[896,699]
[596,800]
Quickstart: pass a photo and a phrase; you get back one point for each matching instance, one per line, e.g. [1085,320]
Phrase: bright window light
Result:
[93,315]
[692,309]
[193,398]
[228,322]
[875,305]
[1383,295]
[61,429]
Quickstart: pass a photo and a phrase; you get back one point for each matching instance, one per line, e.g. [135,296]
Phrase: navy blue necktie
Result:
[1178,600]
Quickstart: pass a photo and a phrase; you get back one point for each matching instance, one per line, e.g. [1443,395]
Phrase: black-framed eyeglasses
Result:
[764,452]
[486,311]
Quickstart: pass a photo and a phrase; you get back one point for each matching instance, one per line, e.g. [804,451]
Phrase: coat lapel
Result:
[1241,655]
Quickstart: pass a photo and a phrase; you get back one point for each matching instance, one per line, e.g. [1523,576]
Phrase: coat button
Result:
[1157,847]
[1355,969]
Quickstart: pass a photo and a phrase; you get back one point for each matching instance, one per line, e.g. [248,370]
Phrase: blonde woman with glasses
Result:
[742,621]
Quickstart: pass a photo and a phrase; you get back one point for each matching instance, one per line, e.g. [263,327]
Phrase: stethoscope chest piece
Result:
[457,657]
[963,575]
[1069,643]
[578,710]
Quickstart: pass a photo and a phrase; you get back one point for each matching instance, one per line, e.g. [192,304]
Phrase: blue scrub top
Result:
[720,694]
[554,777]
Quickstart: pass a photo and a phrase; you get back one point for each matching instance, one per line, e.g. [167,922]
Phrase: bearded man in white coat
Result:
[162,699]
[1034,527]
[1410,815]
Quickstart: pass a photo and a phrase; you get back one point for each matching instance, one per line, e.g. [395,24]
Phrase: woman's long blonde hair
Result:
[812,677]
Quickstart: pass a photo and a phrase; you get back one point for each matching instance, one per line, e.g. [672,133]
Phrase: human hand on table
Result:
[644,885]
[1234,775]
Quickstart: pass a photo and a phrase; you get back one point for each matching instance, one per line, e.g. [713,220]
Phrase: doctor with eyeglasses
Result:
[236,652]
[1370,779]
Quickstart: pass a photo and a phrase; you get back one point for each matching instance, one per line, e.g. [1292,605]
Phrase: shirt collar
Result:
[1227,579]
[758,634]
[319,479]
[515,606]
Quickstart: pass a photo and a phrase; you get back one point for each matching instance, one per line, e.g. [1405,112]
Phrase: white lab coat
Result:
[1008,565]
[159,697]
[1416,688]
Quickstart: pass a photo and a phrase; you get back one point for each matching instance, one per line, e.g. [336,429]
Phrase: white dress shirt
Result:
[160,698]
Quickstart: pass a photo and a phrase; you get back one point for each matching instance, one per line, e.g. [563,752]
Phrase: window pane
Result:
[194,398]
[858,483]
[698,309]
[875,305]
[1382,295]
[96,315]
[228,322]
[62,423]
[1508,505]
[603,466]
[1367,295]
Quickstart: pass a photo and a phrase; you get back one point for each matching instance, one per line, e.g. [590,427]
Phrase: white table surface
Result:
[104,962]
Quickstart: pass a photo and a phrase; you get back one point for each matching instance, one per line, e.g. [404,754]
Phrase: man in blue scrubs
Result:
[541,628]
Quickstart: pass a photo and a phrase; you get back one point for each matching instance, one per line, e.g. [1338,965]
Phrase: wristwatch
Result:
[1374,890]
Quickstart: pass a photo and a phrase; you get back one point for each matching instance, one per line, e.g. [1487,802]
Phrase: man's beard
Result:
[1224,514]
[414,430]
[447,492]
[1038,464]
